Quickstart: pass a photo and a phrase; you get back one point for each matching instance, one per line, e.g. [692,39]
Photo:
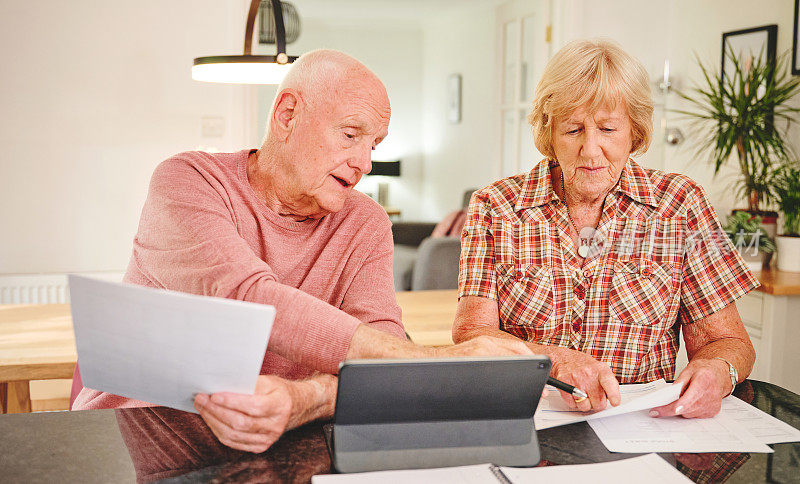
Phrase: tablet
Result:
[425,413]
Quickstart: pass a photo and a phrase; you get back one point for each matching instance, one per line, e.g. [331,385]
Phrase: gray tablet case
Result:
[425,413]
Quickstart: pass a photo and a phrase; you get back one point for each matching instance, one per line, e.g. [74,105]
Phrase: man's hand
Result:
[591,376]
[706,382]
[250,422]
[486,346]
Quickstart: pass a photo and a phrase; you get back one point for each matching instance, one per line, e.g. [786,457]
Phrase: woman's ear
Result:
[284,115]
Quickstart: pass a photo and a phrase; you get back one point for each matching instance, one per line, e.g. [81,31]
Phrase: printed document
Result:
[739,427]
[552,411]
[163,347]
[649,468]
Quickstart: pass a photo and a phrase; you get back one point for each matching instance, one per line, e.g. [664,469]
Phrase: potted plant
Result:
[787,194]
[750,239]
[746,111]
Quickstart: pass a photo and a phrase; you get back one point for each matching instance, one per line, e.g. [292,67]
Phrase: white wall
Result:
[458,156]
[463,155]
[677,29]
[94,95]
[393,51]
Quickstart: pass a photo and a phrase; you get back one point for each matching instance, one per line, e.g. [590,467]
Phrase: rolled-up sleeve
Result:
[714,274]
[476,276]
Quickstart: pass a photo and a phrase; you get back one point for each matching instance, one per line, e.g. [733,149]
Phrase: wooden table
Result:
[36,343]
[428,315]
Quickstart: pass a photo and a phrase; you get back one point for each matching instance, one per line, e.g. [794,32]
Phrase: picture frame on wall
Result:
[454,98]
[796,40]
[748,44]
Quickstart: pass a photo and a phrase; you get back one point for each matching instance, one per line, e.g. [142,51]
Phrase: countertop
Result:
[779,283]
[86,447]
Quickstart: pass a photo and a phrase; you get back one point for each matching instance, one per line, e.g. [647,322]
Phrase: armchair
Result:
[424,260]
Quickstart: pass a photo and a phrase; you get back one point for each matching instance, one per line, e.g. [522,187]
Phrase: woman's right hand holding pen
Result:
[584,372]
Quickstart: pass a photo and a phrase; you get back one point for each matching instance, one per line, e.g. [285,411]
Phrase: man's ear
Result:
[284,116]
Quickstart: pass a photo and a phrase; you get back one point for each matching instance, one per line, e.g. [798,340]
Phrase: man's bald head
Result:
[319,74]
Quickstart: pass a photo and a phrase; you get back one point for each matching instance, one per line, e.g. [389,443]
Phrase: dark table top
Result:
[86,446]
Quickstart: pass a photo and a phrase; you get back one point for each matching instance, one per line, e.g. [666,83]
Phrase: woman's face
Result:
[592,149]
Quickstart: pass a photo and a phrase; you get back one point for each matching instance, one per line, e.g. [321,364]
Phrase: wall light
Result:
[248,68]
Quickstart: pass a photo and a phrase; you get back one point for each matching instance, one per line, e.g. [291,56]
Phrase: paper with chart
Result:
[759,424]
[739,427]
[163,347]
[648,468]
[552,411]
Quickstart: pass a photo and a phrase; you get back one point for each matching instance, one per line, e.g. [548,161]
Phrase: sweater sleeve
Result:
[370,297]
[188,241]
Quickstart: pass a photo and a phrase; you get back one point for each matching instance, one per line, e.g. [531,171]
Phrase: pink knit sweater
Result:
[204,231]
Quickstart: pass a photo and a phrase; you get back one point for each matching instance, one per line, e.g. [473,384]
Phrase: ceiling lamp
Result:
[248,68]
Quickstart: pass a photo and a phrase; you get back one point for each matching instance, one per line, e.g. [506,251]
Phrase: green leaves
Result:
[787,194]
[739,112]
[746,231]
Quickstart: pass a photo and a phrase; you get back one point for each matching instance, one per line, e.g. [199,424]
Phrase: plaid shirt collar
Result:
[537,188]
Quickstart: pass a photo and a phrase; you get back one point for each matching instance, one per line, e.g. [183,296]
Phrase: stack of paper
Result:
[552,411]
[738,427]
[648,468]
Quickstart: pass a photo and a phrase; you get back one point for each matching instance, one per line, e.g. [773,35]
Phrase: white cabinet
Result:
[773,323]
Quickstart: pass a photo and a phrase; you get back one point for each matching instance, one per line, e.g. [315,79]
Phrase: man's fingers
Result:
[610,386]
[251,442]
[235,419]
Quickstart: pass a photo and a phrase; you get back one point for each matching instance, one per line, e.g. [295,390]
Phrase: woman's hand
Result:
[249,422]
[591,376]
[706,382]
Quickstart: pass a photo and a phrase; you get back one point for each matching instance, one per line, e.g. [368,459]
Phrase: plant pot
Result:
[769,221]
[788,253]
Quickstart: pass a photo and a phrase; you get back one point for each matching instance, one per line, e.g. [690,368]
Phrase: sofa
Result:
[423,261]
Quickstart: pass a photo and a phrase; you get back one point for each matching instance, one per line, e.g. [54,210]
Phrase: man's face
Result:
[592,149]
[332,145]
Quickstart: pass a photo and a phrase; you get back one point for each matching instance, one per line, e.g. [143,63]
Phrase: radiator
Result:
[43,288]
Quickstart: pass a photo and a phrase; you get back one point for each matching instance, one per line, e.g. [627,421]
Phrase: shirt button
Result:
[587,273]
[576,325]
[580,292]
[646,272]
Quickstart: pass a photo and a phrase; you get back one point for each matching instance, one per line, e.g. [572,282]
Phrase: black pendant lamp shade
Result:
[247,68]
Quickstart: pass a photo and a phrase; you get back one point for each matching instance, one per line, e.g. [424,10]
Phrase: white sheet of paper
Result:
[649,468]
[759,424]
[639,432]
[163,347]
[475,474]
[552,411]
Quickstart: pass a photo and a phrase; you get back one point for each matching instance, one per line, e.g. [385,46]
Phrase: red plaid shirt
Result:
[665,261]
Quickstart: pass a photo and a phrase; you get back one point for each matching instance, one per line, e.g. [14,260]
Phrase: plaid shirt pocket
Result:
[525,298]
[641,291]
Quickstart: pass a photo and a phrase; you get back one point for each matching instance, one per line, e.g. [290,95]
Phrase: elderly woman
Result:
[598,262]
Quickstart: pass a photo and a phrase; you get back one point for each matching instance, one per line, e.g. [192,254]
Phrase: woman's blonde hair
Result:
[596,73]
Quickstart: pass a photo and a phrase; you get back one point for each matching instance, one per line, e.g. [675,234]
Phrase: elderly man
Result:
[282,226]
